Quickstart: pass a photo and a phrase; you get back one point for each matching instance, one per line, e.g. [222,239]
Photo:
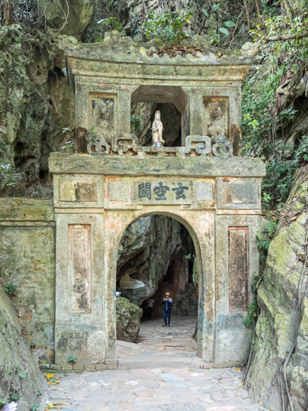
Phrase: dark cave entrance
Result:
[158,252]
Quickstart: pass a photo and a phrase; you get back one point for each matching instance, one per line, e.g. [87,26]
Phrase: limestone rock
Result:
[142,243]
[250,49]
[282,330]
[128,283]
[36,101]
[128,319]
[19,371]
[69,17]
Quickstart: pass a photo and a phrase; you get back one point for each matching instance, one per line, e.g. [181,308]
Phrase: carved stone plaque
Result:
[79,238]
[162,192]
[239,192]
[78,191]
[238,268]
[103,115]
[216,116]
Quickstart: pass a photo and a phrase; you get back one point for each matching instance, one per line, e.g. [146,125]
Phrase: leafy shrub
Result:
[15,396]
[111,22]
[167,27]
[10,289]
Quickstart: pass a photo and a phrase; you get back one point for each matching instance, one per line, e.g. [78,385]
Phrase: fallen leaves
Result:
[57,406]
[52,379]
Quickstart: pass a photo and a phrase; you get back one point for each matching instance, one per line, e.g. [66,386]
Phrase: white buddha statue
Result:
[157,129]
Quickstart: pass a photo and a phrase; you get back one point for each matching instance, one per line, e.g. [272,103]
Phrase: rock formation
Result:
[147,247]
[128,319]
[20,376]
[280,352]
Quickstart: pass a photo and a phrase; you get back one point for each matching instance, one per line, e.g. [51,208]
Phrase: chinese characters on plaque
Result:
[156,192]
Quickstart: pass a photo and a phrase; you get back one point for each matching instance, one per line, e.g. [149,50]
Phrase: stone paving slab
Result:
[154,376]
[152,389]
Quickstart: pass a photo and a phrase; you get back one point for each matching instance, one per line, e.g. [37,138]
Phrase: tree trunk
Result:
[7,13]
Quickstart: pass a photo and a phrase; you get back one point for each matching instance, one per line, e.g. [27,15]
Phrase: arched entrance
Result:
[196,228]
[159,252]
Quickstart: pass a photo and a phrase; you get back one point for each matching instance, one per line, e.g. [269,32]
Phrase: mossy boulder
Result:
[128,319]
[19,371]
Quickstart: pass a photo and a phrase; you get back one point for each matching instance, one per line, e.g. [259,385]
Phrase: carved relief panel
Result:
[79,239]
[215,117]
[238,268]
[103,115]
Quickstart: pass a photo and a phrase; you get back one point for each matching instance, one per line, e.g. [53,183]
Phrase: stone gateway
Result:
[203,183]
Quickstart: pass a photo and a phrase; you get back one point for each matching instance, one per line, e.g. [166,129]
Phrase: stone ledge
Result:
[108,365]
[145,166]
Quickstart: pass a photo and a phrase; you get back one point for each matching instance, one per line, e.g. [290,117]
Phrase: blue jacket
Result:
[168,304]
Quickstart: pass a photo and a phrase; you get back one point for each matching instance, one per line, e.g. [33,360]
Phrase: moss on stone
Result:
[128,319]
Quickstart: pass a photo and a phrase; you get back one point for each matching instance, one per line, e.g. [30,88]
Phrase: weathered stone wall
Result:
[27,260]
[19,372]
[280,353]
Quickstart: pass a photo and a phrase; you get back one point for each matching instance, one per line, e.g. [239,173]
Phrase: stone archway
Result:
[97,197]
[203,244]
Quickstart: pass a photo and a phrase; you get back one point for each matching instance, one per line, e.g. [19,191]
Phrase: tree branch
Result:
[287,36]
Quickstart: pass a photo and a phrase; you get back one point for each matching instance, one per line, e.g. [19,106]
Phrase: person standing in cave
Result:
[167,301]
[150,305]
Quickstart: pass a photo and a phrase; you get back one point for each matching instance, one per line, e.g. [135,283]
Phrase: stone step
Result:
[148,361]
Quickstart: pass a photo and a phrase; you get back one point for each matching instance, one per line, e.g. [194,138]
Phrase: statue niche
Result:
[157,130]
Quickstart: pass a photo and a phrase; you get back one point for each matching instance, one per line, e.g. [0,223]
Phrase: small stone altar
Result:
[203,183]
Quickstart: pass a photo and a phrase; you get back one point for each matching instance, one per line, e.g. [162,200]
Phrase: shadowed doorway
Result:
[157,255]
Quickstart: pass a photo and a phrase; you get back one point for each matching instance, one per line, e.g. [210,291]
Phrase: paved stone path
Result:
[161,346]
[160,373]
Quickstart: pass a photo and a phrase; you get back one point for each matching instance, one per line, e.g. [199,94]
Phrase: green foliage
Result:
[266,116]
[136,122]
[282,28]
[262,122]
[2,401]
[15,396]
[167,27]
[278,181]
[35,407]
[255,282]
[223,26]
[10,289]
[301,154]
[251,315]
[8,174]
[67,147]
[72,358]
[111,23]
[92,134]
[264,239]
[253,309]
[22,374]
